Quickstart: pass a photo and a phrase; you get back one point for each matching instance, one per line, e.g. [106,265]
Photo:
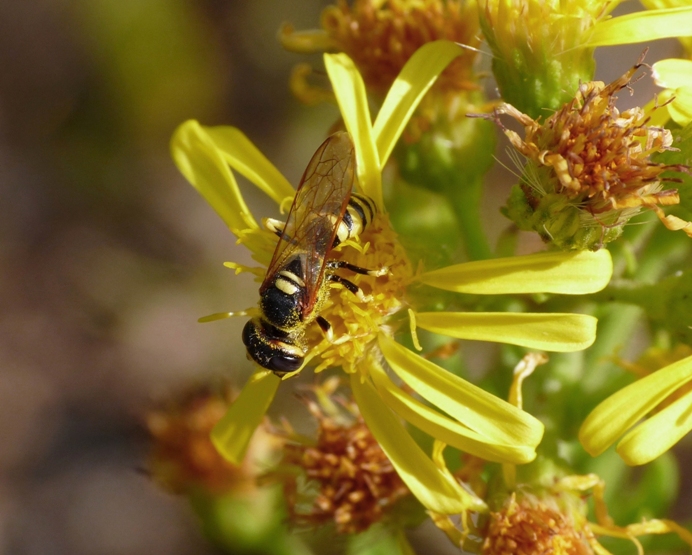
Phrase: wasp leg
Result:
[336,264]
[328,331]
[275,226]
[326,328]
[352,287]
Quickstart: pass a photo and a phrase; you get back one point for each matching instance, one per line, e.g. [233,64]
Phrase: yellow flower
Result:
[545,510]
[380,37]
[540,63]
[663,399]
[674,75]
[456,411]
[588,169]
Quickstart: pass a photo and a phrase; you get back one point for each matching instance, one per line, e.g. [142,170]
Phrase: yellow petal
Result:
[561,333]
[659,433]
[643,26]
[436,491]
[201,163]
[619,412]
[681,108]
[445,429]
[244,157]
[547,272]
[416,77]
[231,435]
[304,42]
[672,73]
[479,410]
[349,90]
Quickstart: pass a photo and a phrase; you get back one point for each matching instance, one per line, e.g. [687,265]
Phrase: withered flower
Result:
[588,169]
[342,476]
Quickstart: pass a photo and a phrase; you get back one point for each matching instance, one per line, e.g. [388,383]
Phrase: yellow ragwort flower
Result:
[588,169]
[543,49]
[381,35]
[459,413]
[663,399]
[545,510]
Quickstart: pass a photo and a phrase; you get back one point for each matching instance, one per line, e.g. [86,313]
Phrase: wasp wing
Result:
[317,210]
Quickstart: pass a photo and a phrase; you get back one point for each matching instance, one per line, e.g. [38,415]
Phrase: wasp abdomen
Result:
[271,347]
[359,213]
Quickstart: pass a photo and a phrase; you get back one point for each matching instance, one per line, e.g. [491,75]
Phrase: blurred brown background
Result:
[108,256]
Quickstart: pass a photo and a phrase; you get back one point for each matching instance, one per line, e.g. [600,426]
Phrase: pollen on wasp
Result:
[343,476]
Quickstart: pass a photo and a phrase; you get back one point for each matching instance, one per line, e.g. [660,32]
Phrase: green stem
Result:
[466,203]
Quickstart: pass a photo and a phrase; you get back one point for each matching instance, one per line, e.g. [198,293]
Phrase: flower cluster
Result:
[392,326]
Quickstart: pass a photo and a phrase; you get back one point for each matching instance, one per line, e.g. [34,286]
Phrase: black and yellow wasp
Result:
[324,214]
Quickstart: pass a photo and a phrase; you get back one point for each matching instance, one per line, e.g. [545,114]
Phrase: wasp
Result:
[324,214]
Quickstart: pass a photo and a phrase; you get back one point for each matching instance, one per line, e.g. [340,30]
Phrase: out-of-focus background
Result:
[108,257]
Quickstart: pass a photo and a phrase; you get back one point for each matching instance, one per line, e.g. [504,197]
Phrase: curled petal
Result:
[433,488]
[416,77]
[244,157]
[641,26]
[198,159]
[659,433]
[477,409]
[672,73]
[622,410]
[547,272]
[445,429]
[231,435]
[353,103]
[561,333]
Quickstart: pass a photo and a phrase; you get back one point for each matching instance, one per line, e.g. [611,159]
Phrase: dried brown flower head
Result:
[588,168]
[344,476]
[530,526]
[183,458]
